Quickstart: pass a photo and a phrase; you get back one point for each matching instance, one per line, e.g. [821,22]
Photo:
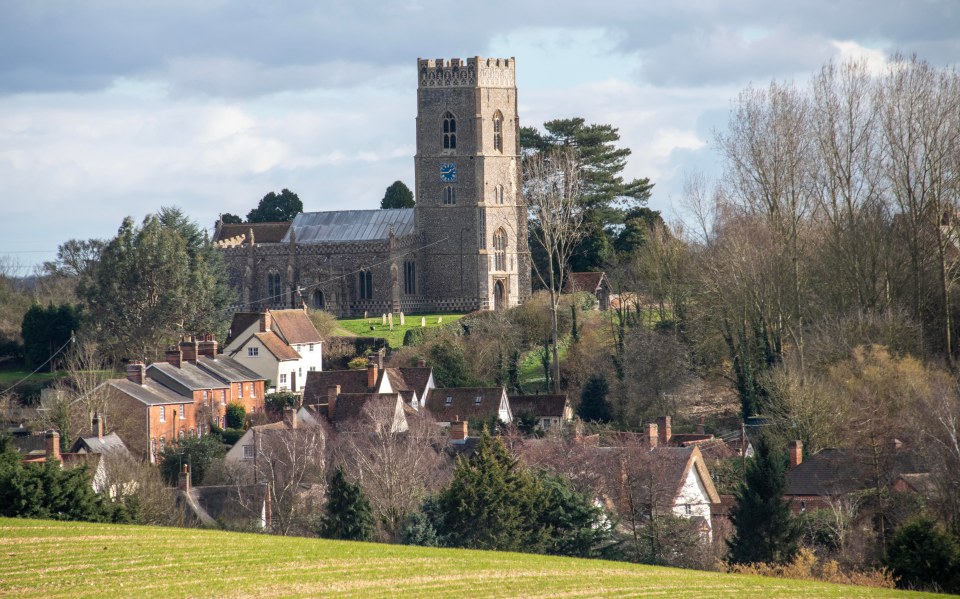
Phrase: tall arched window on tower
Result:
[366,284]
[449,195]
[500,250]
[274,290]
[409,277]
[498,194]
[449,131]
[498,131]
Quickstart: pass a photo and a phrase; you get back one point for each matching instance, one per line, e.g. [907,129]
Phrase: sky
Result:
[115,108]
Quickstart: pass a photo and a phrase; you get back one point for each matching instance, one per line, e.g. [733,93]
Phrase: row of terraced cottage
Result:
[281,350]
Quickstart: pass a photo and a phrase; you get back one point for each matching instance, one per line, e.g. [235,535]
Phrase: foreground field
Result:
[52,559]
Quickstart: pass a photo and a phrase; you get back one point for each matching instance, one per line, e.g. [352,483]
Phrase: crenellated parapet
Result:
[472,72]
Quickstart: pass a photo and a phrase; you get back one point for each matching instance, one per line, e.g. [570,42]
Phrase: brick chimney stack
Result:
[52,445]
[459,430]
[183,479]
[372,375]
[651,436]
[188,347]
[175,356]
[290,417]
[332,392]
[796,453]
[97,423]
[665,432]
[702,427]
[379,359]
[265,322]
[136,372]
[208,346]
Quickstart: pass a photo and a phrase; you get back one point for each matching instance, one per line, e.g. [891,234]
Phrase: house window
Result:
[240,391]
[449,131]
[498,131]
[449,195]
[366,284]
[183,412]
[248,452]
[283,379]
[181,435]
[313,368]
[253,352]
[163,414]
[223,398]
[205,396]
[409,277]
[449,401]
[311,347]
[499,250]
[498,194]
[688,509]
[477,400]
[273,287]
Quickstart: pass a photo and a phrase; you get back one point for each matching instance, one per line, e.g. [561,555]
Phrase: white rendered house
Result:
[279,345]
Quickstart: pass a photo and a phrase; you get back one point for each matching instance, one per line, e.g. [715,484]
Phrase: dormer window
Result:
[477,400]
[449,131]
[498,131]
[448,402]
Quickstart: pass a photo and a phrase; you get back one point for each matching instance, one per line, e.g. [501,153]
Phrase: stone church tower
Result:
[469,210]
[463,247]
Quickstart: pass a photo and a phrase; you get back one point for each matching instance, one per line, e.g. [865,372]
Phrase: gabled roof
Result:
[185,379]
[350,381]
[448,404]
[108,444]
[262,232]
[584,281]
[227,369]
[832,472]
[275,345]
[675,463]
[350,405]
[541,406]
[294,326]
[240,323]
[414,379]
[150,393]
[350,225]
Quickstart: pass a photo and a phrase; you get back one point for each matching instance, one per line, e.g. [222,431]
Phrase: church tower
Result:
[469,212]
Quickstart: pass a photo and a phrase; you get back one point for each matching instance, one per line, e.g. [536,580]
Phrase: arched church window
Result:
[449,195]
[449,131]
[409,277]
[498,194]
[274,291]
[366,284]
[498,131]
[500,250]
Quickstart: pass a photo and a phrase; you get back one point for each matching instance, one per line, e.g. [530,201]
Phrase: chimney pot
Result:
[333,391]
[52,442]
[651,435]
[796,453]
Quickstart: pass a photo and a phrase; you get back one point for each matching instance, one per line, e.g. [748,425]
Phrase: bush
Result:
[276,402]
[923,556]
[806,566]
[230,436]
[198,452]
[236,415]
[324,321]
[413,337]
[358,363]
[418,530]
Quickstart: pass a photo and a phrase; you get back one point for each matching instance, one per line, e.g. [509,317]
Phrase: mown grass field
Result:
[374,327]
[52,559]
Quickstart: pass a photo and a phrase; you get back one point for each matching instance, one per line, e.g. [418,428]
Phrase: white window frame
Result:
[240,391]
[248,452]
[283,378]
[183,411]
[253,352]
[163,413]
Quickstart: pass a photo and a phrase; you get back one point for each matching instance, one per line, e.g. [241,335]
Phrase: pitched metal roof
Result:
[350,225]
[110,443]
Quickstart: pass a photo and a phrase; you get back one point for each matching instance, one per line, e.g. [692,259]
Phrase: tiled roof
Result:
[227,369]
[350,381]
[541,406]
[108,444]
[150,393]
[276,346]
[262,232]
[188,377]
[294,326]
[840,471]
[350,225]
[463,403]
[415,378]
[240,323]
[583,281]
[350,405]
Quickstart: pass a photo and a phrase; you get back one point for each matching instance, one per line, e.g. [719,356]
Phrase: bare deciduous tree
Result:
[551,189]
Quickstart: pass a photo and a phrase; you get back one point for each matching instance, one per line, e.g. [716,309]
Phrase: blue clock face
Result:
[448,172]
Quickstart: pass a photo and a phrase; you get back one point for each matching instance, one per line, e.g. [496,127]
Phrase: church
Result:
[462,248]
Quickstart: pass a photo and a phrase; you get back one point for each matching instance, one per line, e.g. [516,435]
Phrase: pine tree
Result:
[765,530]
[348,515]
[491,502]
[594,406]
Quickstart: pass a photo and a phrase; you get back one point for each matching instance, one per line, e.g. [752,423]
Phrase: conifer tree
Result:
[348,516]
[594,406]
[765,531]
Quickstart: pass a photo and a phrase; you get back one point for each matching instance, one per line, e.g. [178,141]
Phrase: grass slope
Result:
[54,559]
[374,327]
